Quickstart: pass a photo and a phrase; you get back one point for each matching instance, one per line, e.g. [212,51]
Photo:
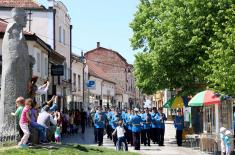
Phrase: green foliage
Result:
[179,40]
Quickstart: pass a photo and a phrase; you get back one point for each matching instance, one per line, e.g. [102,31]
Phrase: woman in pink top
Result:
[24,123]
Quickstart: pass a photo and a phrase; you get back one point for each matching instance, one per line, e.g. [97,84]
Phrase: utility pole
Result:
[83,78]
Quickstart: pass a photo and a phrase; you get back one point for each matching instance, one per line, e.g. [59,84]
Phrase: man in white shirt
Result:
[45,118]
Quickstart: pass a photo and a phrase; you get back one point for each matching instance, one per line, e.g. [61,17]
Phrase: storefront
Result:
[216,116]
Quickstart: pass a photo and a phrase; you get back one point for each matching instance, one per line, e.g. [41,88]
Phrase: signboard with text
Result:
[57,70]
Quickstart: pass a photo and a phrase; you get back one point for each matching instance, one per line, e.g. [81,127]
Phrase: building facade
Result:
[115,67]
[79,76]
[103,93]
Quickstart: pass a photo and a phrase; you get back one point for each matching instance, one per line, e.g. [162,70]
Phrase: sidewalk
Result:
[170,147]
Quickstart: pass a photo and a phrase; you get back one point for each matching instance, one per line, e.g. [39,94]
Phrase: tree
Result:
[176,38]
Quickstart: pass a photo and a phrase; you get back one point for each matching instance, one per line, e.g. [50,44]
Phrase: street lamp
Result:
[83,60]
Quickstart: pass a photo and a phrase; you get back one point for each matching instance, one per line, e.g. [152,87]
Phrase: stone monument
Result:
[16,64]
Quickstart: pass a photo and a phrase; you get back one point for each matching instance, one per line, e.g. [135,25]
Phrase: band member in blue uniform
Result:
[146,120]
[100,119]
[129,126]
[154,129]
[136,128]
[114,123]
[179,125]
[109,128]
[142,126]
[161,118]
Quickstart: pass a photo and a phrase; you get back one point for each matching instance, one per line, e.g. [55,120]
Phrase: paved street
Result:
[170,147]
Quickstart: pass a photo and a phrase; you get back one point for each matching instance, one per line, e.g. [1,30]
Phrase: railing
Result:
[8,132]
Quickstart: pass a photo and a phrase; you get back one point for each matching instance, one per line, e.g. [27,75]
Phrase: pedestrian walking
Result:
[129,126]
[83,120]
[24,123]
[154,128]
[227,141]
[222,136]
[20,106]
[109,123]
[161,118]
[179,125]
[120,132]
[136,129]
[146,120]
[99,121]
[114,124]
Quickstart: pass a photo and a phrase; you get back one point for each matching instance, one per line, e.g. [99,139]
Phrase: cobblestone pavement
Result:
[170,147]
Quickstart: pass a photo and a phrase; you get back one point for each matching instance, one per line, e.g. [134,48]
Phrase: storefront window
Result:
[226,114]
[209,115]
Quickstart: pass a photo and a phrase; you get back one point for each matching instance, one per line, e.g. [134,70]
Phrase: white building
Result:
[104,91]
[53,26]
[39,50]
[79,92]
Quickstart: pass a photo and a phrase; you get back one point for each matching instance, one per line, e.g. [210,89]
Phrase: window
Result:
[226,114]
[65,71]
[46,67]
[209,115]
[63,36]
[74,81]
[60,34]
[38,62]
[79,82]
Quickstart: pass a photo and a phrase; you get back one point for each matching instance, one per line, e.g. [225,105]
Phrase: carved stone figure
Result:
[16,65]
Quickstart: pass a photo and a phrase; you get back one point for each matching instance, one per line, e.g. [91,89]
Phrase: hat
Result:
[136,109]
[228,133]
[222,129]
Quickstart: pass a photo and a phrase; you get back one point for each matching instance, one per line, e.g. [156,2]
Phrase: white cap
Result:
[136,109]
[227,133]
[222,129]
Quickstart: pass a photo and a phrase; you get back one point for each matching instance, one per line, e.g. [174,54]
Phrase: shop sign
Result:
[57,70]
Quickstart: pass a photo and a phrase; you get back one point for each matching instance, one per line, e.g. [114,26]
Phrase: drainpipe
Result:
[54,29]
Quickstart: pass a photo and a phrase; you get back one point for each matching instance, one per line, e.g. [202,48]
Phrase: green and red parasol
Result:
[204,98]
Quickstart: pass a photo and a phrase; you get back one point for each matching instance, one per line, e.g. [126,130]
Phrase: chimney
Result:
[50,3]
[98,44]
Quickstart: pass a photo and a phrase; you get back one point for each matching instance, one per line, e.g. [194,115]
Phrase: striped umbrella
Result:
[176,102]
[206,97]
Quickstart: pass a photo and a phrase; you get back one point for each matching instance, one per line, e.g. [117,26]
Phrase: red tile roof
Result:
[97,71]
[20,4]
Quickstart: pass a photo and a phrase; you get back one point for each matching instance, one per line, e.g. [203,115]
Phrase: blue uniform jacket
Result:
[179,122]
[154,120]
[114,121]
[99,123]
[136,120]
[146,120]
[128,121]
[109,117]
[161,118]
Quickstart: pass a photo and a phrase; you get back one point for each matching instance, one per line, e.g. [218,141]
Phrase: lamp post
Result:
[83,60]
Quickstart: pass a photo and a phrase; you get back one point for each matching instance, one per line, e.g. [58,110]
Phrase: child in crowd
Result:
[120,131]
[57,134]
[227,141]
[20,106]
[24,123]
[222,132]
